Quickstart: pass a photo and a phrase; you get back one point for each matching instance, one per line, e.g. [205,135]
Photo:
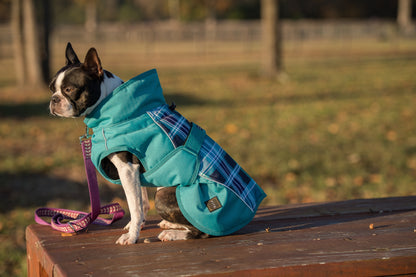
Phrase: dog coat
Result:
[214,193]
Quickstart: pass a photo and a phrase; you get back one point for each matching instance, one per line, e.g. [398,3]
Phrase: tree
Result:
[17,31]
[174,7]
[44,34]
[404,15]
[271,38]
[91,21]
[32,64]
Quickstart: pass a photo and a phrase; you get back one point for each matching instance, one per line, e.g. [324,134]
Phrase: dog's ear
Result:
[92,63]
[71,57]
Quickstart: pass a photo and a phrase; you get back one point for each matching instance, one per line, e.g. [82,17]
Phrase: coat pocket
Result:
[179,167]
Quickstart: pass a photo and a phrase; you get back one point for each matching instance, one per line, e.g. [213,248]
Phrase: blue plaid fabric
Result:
[216,164]
[172,123]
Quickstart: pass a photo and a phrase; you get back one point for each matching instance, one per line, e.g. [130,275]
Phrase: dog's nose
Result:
[55,99]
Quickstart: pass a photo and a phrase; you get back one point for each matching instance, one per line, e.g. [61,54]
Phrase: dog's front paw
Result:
[127,239]
[169,235]
[127,227]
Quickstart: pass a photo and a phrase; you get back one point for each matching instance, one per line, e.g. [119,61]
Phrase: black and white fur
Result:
[77,89]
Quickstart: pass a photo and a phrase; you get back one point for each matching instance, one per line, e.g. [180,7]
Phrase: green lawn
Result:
[340,125]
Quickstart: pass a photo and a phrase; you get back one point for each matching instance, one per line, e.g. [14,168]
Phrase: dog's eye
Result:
[67,90]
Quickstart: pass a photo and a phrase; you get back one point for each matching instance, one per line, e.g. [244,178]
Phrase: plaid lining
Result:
[172,123]
[216,164]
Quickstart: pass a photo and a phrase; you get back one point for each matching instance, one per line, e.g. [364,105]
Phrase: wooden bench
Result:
[371,237]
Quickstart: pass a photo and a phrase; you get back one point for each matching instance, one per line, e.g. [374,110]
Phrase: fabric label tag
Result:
[213,204]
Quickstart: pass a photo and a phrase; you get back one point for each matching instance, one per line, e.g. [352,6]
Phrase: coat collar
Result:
[129,100]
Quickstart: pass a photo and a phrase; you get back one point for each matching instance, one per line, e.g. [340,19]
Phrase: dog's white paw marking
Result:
[127,227]
[164,224]
[126,239]
[169,235]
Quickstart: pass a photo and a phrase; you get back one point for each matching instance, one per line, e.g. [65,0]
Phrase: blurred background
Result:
[314,98]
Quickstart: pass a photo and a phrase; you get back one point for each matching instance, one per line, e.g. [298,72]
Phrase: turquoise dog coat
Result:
[214,193]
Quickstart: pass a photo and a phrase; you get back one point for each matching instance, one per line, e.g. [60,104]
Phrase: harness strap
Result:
[80,220]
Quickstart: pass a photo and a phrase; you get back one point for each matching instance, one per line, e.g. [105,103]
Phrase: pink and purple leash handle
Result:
[80,220]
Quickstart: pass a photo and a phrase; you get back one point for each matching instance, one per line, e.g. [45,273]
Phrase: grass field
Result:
[339,125]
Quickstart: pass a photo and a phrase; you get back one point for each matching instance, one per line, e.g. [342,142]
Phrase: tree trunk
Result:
[174,7]
[17,31]
[210,21]
[33,65]
[91,19]
[45,31]
[272,38]
[31,44]
[404,15]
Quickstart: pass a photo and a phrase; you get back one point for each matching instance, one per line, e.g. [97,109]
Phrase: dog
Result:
[138,141]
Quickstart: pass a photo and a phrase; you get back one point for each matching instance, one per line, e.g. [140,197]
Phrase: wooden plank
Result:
[328,239]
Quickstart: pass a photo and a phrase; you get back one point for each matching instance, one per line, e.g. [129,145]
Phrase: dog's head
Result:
[77,87]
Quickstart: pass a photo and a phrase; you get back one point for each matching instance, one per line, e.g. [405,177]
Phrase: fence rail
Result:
[223,30]
[237,30]
[248,33]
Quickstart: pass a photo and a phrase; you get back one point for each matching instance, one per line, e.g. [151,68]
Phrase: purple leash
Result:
[80,220]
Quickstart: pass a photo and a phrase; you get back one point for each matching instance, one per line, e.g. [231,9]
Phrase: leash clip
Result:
[86,136]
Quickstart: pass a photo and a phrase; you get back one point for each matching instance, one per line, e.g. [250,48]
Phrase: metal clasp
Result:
[86,136]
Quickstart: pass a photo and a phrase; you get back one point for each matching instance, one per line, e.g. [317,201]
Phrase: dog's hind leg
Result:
[130,179]
[178,226]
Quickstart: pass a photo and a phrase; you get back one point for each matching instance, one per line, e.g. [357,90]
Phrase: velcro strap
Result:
[195,139]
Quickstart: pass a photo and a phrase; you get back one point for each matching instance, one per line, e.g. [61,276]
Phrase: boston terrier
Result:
[138,141]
